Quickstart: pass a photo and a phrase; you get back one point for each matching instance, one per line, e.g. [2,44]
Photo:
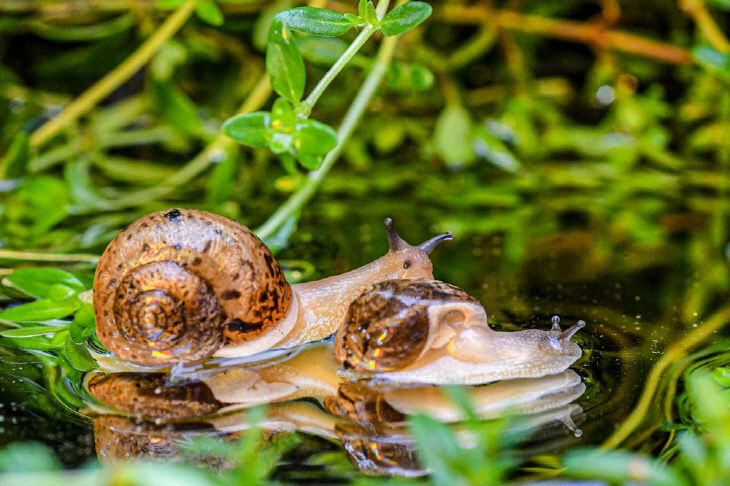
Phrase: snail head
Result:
[404,260]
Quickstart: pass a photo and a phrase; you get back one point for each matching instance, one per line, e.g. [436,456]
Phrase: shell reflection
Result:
[154,415]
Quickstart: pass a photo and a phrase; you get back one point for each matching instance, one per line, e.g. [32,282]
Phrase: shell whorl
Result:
[387,326]
[176,285]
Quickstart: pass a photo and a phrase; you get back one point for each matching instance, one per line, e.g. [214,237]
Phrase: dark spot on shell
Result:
[236,277]
[230,294]
[143,225]
[406,264]
[237,325]
[177,247]
[145,247]
[173,214]
[218,232]
[207,245]
[197,261]
[119,267]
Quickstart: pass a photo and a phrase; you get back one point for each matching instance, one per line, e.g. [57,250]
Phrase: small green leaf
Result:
[452,136]
[31,331]
[42,282]
[78,355]
[280,142]
[309,161]
[283,117]
[315,21]
[14,163]
[83,324]
[284,63]
[404,18]
[209,12]
[249,129]
[713,60]
[41,310]
[314,138]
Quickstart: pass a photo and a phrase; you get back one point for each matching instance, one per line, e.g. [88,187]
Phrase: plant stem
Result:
[593,34]
[48,257]
[315,178]
[674,353]
[306,107]
[102,88]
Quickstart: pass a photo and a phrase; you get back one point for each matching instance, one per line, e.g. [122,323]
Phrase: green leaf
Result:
[284,63]
[713,60]
[283,117]
[315,21]
[209,12]
[78,355]
[41,310]
[404,18]
[42,282]
[452,136]
[28,457]
[14,163]
[83,324]
[366,11]
[176,108]
[309,161]
[314,138]
[31,331]
[280,142]
[249,129]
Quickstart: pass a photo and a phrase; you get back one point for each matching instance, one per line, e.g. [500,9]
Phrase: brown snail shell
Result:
[175,285]
[363,405]
[387,327]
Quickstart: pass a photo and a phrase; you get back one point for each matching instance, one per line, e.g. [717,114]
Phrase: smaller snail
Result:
[182,285]
[426,331]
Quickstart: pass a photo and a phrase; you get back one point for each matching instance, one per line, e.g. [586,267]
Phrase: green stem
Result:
[102,88]
[306,107]
[315,178]
[47,257]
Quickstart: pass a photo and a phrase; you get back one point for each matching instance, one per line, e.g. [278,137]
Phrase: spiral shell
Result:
[387,327]
[176,285]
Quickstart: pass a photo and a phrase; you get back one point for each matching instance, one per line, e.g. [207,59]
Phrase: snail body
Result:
[427,331]
[183,285]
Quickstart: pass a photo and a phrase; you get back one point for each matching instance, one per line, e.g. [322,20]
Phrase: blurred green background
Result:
[578,150]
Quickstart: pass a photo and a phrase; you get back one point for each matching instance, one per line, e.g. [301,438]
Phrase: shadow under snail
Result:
[427,331]
[182,285]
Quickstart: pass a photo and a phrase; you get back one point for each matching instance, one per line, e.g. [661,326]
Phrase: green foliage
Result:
[316,21]
[284,63]
[404,18]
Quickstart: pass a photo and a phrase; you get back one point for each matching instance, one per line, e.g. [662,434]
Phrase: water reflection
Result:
[154,415]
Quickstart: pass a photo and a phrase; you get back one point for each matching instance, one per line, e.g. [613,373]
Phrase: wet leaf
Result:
[249,129]
[315,21]
[41,310]
[41,282]
[31,331]
[283,117]
[83,324]
[284,63]
[402,19]
[78,356]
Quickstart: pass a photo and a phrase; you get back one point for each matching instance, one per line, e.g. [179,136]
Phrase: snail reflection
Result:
[143,415]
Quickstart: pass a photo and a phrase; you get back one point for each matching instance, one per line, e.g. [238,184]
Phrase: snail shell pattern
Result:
[182,283]
[388,326]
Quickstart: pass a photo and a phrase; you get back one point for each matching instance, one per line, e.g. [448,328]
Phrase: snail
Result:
[427,331]
[182,285]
